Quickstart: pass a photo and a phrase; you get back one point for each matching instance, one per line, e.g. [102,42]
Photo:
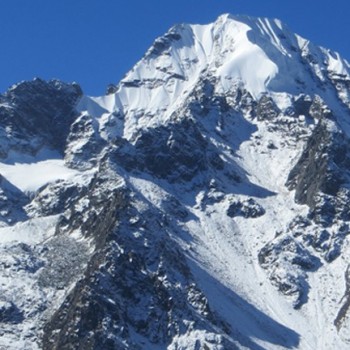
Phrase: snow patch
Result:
[29,177]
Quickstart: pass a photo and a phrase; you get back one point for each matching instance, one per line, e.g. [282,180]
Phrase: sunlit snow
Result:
[30,177]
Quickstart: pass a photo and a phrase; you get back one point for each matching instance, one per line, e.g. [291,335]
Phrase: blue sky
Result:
[95,42]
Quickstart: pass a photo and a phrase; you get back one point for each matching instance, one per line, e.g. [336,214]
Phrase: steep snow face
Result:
[261,55]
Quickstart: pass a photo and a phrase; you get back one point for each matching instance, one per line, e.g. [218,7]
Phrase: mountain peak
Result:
[258,55]
[202,204]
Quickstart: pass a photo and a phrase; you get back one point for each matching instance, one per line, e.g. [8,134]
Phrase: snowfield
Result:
[29,177]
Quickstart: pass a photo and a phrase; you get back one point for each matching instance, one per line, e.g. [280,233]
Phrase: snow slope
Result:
[260,55]
[29,177]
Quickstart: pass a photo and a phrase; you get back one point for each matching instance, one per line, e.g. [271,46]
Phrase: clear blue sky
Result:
[95,42]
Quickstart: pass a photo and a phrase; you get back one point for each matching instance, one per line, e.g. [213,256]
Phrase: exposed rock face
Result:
[320,177]
[84,143]
[266,109]
[287,262]
[198,205]
[316,171]
[248,209]
[129,285]
[177,152]
[342,319]
[36,113]
[12,202]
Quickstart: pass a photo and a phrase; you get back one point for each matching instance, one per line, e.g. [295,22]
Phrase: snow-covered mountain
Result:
[203,203]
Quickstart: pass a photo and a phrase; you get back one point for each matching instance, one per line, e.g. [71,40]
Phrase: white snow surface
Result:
[33,231]
[262,55]
[29,173]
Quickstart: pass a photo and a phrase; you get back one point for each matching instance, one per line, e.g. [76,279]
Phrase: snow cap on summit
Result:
[259,55]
